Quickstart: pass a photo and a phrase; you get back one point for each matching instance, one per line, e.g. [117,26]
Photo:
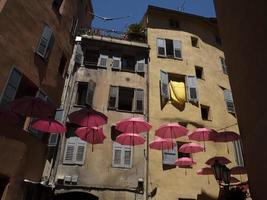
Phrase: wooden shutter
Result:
[11,87]
[191,84]
[238,153]
[53,138]
[164,90]
[90,92]
[80,151]
[79,54]
[70,150]
[177,49]
[140,66]
[170,156]
[116,63]
[113,97]
[229,101]
[161,47]
[139,100]
[44,41]
[102,61]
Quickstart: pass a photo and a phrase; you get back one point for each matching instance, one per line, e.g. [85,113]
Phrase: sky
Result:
[137,8]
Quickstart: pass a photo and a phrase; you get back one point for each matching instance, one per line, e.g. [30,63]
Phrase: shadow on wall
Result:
[76,196]
[205,196]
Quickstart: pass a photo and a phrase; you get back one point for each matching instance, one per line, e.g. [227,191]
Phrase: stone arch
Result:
[77,195]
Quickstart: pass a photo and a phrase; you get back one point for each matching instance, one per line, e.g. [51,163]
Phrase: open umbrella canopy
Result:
[133,125]
[33,107]
[191,148]
[234,180]
[222,160]
[184,161]
[88,117]
[238,170]
[202,134]
[171,130]
[48,125]
[8,117]
[92,135]
[162,144]
[131,139]
[205,171]
[227,136]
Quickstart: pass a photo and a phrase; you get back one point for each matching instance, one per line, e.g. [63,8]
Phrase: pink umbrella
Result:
[162,144]
[133,125]
[131,139]
[234,180]
[48,125]
[238,170]
[88,117]
[202,134]
[171,130]
[8,117]
[184,161]
[222,160]
[92,135]
[205,171]
[191,148]
[227,136]
[33,107]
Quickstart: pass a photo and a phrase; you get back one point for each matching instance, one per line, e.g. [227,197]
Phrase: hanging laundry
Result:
[177,91]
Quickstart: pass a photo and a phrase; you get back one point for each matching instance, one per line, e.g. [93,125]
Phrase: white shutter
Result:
[117,155]
[70,151]
[229,101]
[139,100]
[113,97]
[122,155]
[192,93]
[44,42]
[127,157]
[90,92]
[170,156]
[161,47]
[177,49]
[53,138]
[238,153]
[79,54]
[80,151]
[140,66]
[102,61]
[164,90]
[116,63]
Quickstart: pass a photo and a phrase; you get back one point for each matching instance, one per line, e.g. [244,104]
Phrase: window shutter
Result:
[170,156]
[53,138]
[177,49]
[74,27]
[113,97]
[140,66]
[229,101]
[79,54]
[117,154]
[90,92]
[224,67]
[161,44]
[70,151]
[139,100]
[192,94]
[116,63]
[102,61]
[238,153]
[44,42]
[164,90]
[127,157]
[80,151]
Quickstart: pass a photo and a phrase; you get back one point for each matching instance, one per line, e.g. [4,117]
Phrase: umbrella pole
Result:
[204,142]
[208,179]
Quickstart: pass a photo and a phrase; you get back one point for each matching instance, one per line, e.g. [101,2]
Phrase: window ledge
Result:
[121,167]
[174,58]
[126,111]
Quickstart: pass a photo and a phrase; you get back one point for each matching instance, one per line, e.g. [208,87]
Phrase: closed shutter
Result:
[117,154]
[53,138]
[70,151]
[80,152]
[102,61]
[164,90]
[140,66]
[191,84]
[170,156]
[113,97]
[177,49]
[223,64]
[11,87]
[79,54]
[116,63]
[229,101]
[90,93]
[238,153]
[43,44]
[139,100]
[127,157]
[161,47]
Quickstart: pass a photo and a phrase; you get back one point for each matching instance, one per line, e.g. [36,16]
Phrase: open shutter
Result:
[140,66]
[229,101]
[191,84]
[116,63]
[238,153]
[44,42]
[102,61]
[164,91]
[79,54]
[90,92]
[70,151]
[74,27]
[161,47]
[223,64]
[127,151]
[113,97]
[170,156]
[53,138]
[177,49]
[117,155]
[80,151]
[139,100]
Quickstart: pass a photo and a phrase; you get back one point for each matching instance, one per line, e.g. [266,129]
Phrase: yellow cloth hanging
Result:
[177,90]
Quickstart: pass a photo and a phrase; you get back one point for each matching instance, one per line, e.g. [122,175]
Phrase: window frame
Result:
[123,149]
[46,36]
[209,117]
[195,42]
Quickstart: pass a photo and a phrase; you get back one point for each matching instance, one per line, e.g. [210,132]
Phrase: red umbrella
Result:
[8,117]
[191,148]
[184,161]
[88,117]
[133,125]
[227,136]
[171,130]
[205,171]
[33,107]
[238,170]
[48,125]
[131,139]
[222,160]
[162,144]
[92,135]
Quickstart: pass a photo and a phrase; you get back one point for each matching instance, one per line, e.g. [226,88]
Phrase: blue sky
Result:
[137,8]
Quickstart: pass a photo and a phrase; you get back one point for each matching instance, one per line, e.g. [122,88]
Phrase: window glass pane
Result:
[103,61]
[117,157]
[81,93]
[10,92]
[80,153]
[126,98]
[15,78]
[169,47]
[127,157]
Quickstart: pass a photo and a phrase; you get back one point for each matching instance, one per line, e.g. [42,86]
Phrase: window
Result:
[174,23]
[45,42]
[128,63]
[53,138]
[169,48]
[126,99]
[205,112]
[199,72]
[238,153]
[103,61]
[116,62]
[122,155]
[191,84]
[91,58]
[229,101]
[223,65]
[62,64]
[85,93]
[194,42]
